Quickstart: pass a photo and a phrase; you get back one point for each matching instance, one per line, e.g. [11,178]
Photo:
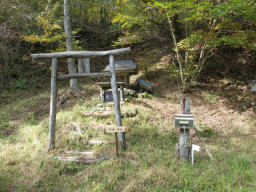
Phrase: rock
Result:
[252,85]
[129,92]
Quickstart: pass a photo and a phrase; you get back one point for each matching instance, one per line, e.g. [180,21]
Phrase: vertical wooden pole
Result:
[121,93]
[80,66]
[116,144]
[69,46]
[184,133]
[52,121]
[121,136]
[86,63]
[102,94]
[127,79]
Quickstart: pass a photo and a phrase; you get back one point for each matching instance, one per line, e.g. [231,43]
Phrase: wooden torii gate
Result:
[54,78]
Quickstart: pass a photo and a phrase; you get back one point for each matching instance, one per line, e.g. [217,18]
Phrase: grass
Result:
[147,165]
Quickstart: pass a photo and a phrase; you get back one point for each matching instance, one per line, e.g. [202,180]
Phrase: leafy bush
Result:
[195,27]
[20,83]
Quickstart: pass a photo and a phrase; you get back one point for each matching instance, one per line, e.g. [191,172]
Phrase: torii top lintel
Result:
[80,54]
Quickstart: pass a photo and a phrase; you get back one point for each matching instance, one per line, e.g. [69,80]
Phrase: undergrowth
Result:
[148,164]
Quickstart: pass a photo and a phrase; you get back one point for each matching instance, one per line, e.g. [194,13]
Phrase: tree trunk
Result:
[68,34]
[179,59]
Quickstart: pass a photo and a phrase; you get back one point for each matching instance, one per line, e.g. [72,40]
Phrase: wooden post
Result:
[127,79]
[121,135]
[86,64]
[184,133]
[80,66]
[121,93]
[69,46]
[102,94]
[52,121]
[116,144]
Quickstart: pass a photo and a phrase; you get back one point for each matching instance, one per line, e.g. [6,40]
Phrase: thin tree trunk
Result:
[204,54]
[183,82]
[68,34]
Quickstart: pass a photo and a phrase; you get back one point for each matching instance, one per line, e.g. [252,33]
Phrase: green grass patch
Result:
[147,165]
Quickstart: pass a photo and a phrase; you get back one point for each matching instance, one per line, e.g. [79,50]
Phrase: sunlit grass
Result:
[147,165]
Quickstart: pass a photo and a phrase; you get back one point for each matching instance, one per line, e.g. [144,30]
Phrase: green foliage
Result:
[51,32]
[202,26]
[206,26]
[128,40]
[20,83]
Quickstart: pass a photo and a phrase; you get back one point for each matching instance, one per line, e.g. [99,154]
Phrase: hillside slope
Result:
[224,112]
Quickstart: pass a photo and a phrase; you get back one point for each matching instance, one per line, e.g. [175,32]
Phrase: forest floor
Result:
[224,114]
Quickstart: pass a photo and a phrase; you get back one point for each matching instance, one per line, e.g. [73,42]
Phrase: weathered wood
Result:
[103,114]
[184,133]
[52,121]
[67,25]
[107,128]
[116,144]
[80,152]
[185,106]
[121,93]
[184,144]
[81,54]
[101,94]
[80,66]
[127,79]
[85,160]
[116,101]
[103,84]
[96,142]
[79,75]
[86,64]
[72,70]
[113,129]
[68,35]
[123,67]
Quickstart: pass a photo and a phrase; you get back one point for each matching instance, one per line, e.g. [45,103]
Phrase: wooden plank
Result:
[86,64]
[116,144]
[123,65]
[121,135]
[96,142]
[80,66]
[80,152]
[109,83]
[103,127]
[103,114]
[53,102]
[80,75]
[85,160]
[114,129]
[81,54]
